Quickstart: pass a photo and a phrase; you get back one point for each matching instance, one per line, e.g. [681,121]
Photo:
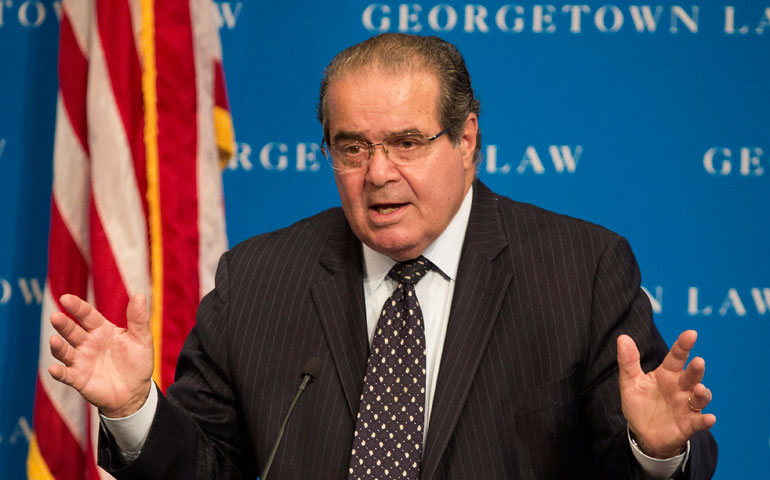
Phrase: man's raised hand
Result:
[663,407]
[110,366]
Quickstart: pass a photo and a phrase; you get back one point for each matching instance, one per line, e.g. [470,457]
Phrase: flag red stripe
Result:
[177,151]
[110,293]
[58,447]
[67,269]
[125,73]
[73,80]
[220,92]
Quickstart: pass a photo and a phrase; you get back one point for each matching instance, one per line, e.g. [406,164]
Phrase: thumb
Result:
[138,322]
[628,360]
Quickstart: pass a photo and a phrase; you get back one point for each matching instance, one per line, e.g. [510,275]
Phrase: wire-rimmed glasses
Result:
[401,149]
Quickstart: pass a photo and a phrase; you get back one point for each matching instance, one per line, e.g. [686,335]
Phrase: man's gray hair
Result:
[399,52]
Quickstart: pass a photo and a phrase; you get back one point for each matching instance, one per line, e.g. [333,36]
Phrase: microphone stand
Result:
[311,370]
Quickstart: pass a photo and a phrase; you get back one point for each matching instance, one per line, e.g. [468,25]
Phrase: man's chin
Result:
[398,249]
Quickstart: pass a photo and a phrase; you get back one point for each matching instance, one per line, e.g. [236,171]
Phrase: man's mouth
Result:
[386,208]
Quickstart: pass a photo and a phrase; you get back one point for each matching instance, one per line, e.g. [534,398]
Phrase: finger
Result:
[704,422]
[693,374]
[677,356]
[82,311]
[628,360]
[58,372]
[68,329]
[700,397]
[138,324]
[61,350]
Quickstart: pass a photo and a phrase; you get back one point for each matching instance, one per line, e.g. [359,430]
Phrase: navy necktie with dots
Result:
[391,413]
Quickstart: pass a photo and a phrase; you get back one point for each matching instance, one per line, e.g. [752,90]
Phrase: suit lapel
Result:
[479,291]
[339,300]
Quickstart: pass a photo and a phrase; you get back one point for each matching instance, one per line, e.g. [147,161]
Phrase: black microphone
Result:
[310,371]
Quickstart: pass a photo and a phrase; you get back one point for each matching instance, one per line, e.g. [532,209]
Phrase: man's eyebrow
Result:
[346,135]
[360,136]
[406,131]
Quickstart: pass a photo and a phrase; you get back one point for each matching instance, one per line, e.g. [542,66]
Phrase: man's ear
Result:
[468,140]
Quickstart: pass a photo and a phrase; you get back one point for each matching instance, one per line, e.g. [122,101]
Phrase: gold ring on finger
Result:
[692,407]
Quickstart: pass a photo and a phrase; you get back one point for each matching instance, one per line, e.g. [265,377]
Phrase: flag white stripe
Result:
[116,194]
[212,239]
[71,183]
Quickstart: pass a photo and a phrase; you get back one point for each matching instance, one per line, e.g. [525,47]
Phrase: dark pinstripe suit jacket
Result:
[527,387]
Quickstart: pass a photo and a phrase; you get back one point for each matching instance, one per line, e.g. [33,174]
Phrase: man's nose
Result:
[381,169]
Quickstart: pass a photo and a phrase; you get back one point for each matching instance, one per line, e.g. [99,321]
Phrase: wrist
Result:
[656,453]
[130,407]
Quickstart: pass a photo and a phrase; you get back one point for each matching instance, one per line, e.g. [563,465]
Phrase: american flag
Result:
[142,129]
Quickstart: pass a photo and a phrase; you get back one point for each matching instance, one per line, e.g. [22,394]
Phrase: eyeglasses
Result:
[401,149]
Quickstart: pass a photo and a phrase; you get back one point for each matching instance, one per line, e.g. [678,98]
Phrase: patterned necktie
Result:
[391,413]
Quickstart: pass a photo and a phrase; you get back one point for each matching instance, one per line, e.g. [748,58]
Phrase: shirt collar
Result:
[444,252]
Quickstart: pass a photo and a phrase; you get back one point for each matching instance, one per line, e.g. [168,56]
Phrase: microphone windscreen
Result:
[312,367]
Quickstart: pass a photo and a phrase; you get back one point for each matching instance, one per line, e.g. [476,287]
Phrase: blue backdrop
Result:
[592,110]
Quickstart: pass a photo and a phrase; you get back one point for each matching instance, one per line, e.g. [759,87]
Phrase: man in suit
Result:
[528,368]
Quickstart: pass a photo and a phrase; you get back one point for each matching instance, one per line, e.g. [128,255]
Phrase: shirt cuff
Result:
[657,468]
[131,432]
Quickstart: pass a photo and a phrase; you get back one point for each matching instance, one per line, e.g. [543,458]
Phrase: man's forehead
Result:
[377,74]
[412,93]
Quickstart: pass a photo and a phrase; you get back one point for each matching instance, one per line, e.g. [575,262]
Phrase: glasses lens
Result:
[349,155]
[406,147]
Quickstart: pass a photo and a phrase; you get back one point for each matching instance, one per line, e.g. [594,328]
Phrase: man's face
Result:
[398,210]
